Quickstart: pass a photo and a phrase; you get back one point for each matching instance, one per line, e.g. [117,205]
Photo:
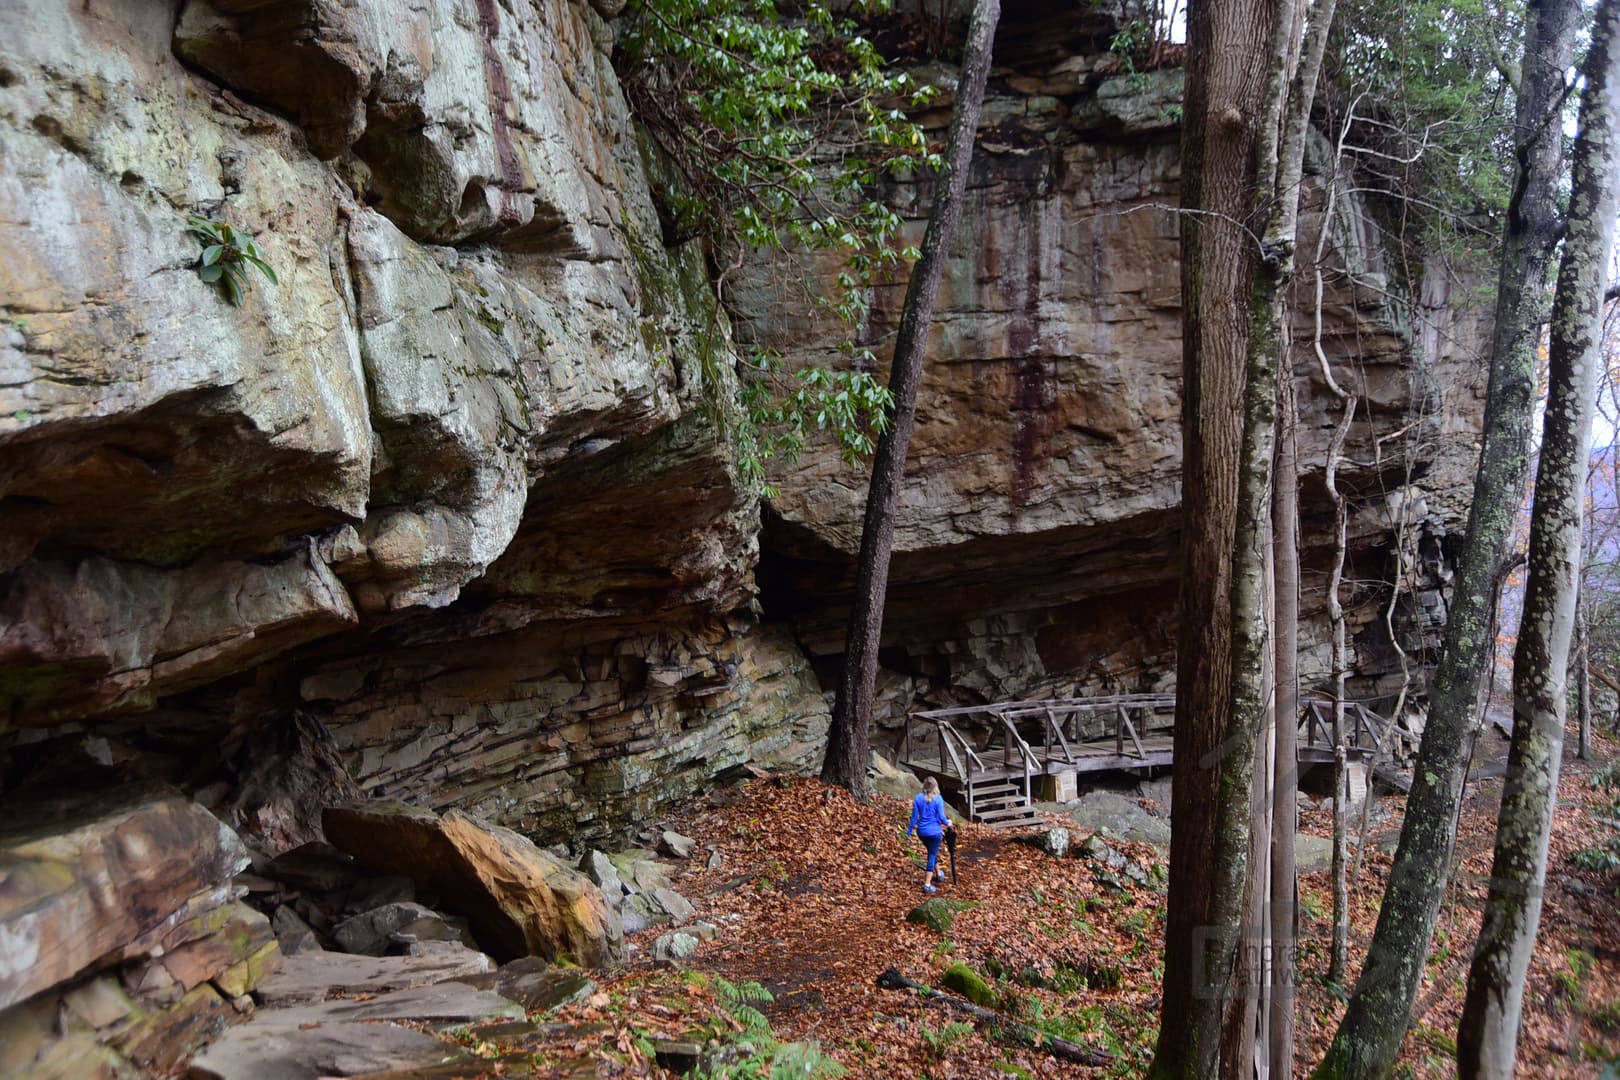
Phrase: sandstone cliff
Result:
[457,494]
[1035,546]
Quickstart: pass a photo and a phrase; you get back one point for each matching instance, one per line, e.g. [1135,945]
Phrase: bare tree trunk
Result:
[1583,684]
[1233,342]
[1285,778]
[848,737]
[1487,1040]
[1375,1020]
[1254,976]
[1339,656]
[1340,662]
[1339,957]
[1219,137]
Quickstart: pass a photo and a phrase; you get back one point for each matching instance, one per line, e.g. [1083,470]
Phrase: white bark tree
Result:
[1375,1020]
[1487,1039]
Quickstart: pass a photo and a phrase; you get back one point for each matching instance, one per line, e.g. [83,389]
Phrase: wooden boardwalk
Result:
[999,758]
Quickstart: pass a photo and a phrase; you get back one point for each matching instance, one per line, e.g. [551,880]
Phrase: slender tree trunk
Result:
[1339,957]
[1250,1018]
[848,737]
[1487,1040]
[1285,781]
[1340,662]
[1375,1020]
[1245,132]
[1583,683]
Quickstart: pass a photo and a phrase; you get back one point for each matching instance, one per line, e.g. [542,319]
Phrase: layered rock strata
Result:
[481,408]
[450,514]
[124,942]
[477,346]
[1036,536]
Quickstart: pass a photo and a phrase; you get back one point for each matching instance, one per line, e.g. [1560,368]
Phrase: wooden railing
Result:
[1059,727]
[1032,764]
[1363,727]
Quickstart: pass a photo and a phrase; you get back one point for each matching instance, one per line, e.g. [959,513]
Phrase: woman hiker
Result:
[929,821]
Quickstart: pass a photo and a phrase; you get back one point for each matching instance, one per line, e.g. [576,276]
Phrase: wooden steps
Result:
[1002,806]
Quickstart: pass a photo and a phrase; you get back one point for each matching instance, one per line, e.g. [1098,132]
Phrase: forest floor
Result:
[811,894]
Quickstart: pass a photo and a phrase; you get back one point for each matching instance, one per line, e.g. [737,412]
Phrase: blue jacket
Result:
[928,816]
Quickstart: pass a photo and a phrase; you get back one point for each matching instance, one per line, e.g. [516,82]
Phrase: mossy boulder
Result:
[937,913]
[971,985]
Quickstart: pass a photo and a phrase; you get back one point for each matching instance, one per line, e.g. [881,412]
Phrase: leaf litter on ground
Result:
[811,890]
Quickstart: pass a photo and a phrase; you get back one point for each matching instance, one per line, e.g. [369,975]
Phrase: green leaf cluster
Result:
[944,1042]
[778,129]
[780,411]
[226,256]
[1422,92]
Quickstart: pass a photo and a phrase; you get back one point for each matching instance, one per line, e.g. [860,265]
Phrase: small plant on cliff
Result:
[226,256]
[774,133]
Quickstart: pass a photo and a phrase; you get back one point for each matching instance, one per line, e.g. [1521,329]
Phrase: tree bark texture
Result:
[1375,1020]
[1583,683]
[1241,1040]
[848,737]
[1226,73]
[1488,1036]
[1245,132]
[1285,781]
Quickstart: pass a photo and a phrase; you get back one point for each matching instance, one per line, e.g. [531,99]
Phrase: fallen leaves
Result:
[814,889]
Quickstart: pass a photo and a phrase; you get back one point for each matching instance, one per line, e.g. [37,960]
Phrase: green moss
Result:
[937,913]
[491,323]
[971,985]
[24,686]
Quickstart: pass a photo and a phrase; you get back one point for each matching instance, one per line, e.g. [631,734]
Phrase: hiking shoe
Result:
[930,890]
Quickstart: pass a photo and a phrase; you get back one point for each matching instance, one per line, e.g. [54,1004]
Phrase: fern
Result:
[740,999]
[804,1061]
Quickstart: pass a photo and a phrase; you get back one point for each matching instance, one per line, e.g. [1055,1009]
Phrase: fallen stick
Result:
[1010,1029]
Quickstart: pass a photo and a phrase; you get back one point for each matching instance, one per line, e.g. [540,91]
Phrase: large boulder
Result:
[519,900]
[123,944]
[86,883]
[1117,814]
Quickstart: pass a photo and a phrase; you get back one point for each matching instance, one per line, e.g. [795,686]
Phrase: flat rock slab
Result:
[443,1003]
[536,985]
[271,1051]
[316,976]
[348,1038]
[84,878]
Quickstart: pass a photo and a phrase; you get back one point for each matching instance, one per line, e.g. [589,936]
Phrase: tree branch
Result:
[1005,1027]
